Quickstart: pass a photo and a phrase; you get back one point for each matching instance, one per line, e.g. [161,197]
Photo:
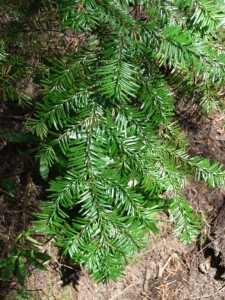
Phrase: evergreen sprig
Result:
[106,124]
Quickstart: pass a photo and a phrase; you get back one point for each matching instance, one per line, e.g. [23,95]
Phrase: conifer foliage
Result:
[106,123]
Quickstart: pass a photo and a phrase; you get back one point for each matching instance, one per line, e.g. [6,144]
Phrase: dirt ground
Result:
[164,270]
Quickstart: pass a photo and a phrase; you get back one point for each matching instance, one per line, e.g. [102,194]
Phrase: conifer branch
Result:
[105,118]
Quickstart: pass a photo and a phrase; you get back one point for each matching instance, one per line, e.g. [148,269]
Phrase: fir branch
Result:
[105,120]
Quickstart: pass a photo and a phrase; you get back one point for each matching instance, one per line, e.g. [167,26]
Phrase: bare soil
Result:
[164,270]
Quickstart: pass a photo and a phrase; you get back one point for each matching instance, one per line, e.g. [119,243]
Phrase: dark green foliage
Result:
[8,185]
[107,115]
[19,137]
[15,263]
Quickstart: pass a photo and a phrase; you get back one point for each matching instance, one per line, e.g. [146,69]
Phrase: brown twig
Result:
[162,269]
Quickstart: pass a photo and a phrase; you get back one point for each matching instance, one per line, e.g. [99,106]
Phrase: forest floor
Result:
[164,270]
